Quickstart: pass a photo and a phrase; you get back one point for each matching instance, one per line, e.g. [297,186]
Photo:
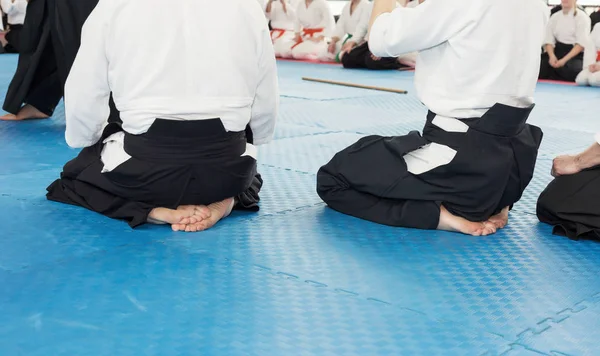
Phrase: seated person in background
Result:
[282,17]
[35,89]
[570,202]
[15,11]
[314,22]
[49,41]
[356,53]
[184,154]
[567,35]
[345,27]
[477,153]
[590,75]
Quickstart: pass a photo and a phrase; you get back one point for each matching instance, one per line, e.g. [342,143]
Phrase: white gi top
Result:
[362,28]
[568,28]
[317,15]
[598,138]
[283,20]
[348,22]
[194,74]
[470,59]
[15,11]
[591,51]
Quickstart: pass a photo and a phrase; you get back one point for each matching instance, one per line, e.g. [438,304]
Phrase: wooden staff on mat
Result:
[398,91]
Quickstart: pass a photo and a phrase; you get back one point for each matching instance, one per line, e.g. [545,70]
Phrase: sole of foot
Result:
[199,213]
[27,112]
[187,214]
[500,220]
[453,223]
[218,211]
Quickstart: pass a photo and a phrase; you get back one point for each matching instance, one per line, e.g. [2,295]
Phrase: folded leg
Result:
[594,79]
[367,180]
[570,204]
[340,195]
[308,50]
[583,78]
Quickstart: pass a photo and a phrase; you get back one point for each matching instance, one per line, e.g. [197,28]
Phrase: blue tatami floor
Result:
[295,278]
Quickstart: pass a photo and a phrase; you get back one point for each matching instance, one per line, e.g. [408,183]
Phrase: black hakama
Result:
[174,163]
[50,38]
[36,81]
[493,165]
[566,73]
[361,57]
[570,204]
[13,37]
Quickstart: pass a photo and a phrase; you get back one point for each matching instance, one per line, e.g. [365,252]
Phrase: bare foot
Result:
[449,222]
[199,213]
[183,215]
[28,112]
[500,220]
[8,117]
[218,211]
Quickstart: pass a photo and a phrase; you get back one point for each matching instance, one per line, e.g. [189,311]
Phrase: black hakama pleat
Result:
[570,204]
[175,163]
[493,165]
[360,57]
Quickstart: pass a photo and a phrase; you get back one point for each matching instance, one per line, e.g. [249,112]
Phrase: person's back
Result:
[196,59]
[476,73]
[473,53]
[196,86]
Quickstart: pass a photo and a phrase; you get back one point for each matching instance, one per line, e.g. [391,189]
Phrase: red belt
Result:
[309,32]
[598,58]
[278,33]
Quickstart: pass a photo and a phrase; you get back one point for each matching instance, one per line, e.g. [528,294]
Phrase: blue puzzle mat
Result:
[296,278]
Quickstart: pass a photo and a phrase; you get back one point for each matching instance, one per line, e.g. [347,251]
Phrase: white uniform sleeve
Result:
[589,53]
[266,101]
[597,137]
[341,23]
[550,39]
[21,6]
[327,20]
[10,7]
[87,91]
[291,11]
[432,23]
[360,34]
[269,14]
[297,24]
[584,27]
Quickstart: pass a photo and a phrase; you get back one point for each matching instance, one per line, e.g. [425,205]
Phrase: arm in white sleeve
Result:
[266,100]
[291,11]
[87,91]
[360,34]
[584,28]
[341,25]
[550,39]
[21,6]
[590,53]
[8,6]
[432,23]
[327,20]
[297,24]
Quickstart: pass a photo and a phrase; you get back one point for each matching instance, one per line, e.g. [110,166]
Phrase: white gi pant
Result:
[586,78]
[283,41]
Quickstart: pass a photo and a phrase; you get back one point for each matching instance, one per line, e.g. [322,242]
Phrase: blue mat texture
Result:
[296,278]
